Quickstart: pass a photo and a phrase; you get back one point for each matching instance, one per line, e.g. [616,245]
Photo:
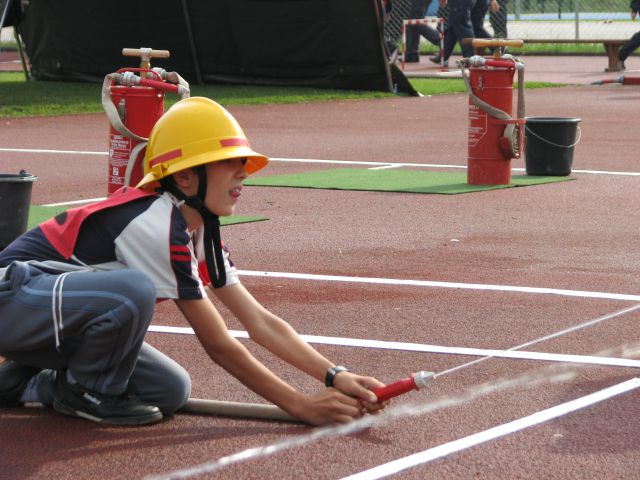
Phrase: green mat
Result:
[39,214]
[392,180]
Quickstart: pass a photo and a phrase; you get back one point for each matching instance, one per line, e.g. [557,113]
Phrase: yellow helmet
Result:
[195,131]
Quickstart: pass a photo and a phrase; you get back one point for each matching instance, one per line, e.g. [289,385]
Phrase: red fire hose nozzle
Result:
[416,381]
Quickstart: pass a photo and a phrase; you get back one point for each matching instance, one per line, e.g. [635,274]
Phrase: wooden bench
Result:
[611,47]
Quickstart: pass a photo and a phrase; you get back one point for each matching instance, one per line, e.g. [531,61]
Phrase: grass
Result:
[19,98]
[536,49]
[530,48]
[441,86]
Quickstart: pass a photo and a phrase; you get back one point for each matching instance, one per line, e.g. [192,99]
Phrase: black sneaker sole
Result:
[139,420]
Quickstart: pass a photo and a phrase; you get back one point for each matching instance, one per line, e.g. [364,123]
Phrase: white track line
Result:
[445,449]
[431,165]
[418,347]
[316,160]
[428,283]
[44,150]
[386,167]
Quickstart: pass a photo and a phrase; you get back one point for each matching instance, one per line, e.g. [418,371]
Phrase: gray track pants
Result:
[93,324]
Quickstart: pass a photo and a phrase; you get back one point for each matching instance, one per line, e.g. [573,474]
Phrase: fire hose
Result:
[416,381]
[623,80]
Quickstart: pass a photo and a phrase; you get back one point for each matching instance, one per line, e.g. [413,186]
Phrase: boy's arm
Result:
[282,340]
[329,406]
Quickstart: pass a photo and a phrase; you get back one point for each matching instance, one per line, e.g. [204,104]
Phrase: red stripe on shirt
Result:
[180,258]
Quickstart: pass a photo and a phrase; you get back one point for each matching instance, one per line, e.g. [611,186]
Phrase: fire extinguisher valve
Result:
[477,61]
[128,79]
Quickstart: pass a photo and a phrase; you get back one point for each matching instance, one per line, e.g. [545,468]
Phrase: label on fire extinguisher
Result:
[477,125]
[119,153]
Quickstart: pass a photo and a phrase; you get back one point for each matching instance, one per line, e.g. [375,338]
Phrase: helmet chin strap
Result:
[212,241]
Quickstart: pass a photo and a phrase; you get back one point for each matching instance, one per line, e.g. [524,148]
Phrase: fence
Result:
[543,19]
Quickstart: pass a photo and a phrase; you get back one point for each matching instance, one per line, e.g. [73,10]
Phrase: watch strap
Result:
[331,374]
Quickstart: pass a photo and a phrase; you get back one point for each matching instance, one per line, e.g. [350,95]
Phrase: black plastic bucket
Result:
[549,146]
[15,198]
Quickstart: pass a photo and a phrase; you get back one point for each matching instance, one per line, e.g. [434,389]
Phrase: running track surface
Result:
[563,239]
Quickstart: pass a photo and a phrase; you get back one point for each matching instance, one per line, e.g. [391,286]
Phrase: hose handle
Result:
[415,382]
[496,42]
[145,54]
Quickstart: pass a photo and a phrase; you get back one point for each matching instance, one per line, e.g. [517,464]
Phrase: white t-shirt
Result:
[147,234]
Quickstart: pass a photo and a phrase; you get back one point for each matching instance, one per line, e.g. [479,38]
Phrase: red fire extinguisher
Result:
[133,99]
[494,136]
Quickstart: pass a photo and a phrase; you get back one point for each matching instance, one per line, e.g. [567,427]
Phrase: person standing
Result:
[458,28]
[478,14]
[389,45]
[418,10]
[634,41]
[498,17]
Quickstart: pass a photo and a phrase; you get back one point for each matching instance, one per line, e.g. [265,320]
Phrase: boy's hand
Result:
[349,399]
[327,407]
[360,387]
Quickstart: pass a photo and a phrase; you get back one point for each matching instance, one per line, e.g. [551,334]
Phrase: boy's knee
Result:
[178,390]
[139,284]
[139,289]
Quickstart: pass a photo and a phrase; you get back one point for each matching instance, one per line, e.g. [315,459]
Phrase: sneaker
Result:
[14,377]
[621,65]
[77,401]
[412,59]
[436,59]
[46,386]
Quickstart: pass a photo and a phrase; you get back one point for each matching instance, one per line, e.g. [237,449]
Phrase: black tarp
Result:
[321,43]
[10,12]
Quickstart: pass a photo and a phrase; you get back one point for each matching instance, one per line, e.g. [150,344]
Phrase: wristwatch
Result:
[331,374]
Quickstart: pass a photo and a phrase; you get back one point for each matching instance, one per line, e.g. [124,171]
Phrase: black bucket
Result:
[549,145]
[15,198]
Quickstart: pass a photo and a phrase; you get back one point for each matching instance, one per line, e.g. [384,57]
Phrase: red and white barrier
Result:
[424,21]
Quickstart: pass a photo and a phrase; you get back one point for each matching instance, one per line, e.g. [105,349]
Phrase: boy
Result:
[77,292]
